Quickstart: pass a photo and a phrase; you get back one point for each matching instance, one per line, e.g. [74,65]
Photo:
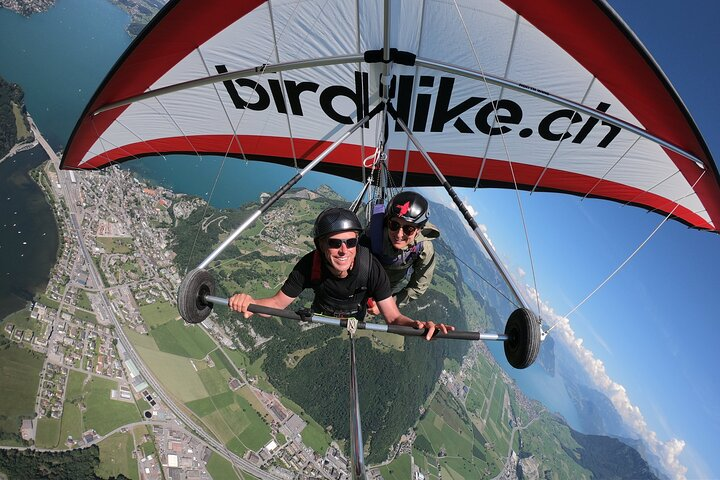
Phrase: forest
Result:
[77,464]
[10,93]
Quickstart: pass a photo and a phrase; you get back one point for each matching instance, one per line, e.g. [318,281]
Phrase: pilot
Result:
[343,275]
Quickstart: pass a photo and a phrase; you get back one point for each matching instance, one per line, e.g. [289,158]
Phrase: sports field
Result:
[48,433]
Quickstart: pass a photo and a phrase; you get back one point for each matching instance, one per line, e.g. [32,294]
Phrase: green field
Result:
[447,429]
[22,321]
[398,469]
[103,413]
[185,341]
[48,433]
[219,468]
[74,388]
[72,422]
[116,457]
[86,317]
[229,415]
[176,373]
[47,301]
[83,301]
[116,244]
[22,131]
[158,313]
[223,362]
[19,374]
[214,380]
[240,359]
[140,340]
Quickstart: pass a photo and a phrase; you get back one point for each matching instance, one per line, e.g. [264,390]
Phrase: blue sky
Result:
[650,333]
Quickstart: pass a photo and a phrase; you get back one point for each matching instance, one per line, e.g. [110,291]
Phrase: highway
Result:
[67,187]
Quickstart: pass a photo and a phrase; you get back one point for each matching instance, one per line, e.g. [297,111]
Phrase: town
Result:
[114,272]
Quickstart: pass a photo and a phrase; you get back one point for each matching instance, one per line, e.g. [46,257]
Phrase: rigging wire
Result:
[234,127]
[478,274]
[635,252]
[507,152]
[562,137]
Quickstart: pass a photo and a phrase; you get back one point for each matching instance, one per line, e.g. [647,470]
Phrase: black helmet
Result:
[334,220]
[410,206]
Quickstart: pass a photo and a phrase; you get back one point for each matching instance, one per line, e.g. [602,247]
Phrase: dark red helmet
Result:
[410,206]
[334,220]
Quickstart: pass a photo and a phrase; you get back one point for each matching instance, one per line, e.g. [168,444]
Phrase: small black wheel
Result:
[191,296]
[523,345]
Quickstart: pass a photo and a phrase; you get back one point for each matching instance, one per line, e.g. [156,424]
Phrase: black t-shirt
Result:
[377,284]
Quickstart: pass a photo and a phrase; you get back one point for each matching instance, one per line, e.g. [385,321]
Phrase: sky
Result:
[647,337]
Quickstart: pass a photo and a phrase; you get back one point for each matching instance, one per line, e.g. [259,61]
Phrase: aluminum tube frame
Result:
[357,461]
[264,68]
[519,87]
[468,218]
[336,322]
[276,196]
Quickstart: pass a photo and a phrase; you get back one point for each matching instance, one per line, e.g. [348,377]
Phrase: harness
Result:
[351,306]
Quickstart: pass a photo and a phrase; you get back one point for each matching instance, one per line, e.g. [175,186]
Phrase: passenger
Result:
[406,247]
[342,274]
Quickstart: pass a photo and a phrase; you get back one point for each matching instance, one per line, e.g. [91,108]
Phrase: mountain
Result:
[608,457]
[481,274]
[596,411]
[652,459]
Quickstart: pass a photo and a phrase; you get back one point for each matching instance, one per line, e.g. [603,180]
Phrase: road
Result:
[67,189]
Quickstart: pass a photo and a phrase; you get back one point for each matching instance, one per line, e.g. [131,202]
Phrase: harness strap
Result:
[316,272]
[377,226]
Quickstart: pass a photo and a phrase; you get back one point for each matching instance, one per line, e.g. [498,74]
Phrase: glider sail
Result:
[543,95]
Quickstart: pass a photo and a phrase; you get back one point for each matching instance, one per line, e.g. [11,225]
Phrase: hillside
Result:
[13,125]
[453,405]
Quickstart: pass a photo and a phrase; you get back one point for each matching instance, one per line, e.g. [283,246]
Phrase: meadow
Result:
[158,313]
[116,457]
[121,245]
[19,380]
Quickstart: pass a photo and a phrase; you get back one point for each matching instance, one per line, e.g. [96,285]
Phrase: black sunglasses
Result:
[395,226]
[337,242]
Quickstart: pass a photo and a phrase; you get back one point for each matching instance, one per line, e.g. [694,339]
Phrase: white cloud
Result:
[483,230]
[669,451]
[471,210]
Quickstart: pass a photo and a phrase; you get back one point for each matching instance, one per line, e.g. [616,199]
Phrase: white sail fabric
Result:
[474,129]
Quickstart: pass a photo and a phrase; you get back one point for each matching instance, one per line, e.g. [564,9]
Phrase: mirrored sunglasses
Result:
[336,242]
[395,226]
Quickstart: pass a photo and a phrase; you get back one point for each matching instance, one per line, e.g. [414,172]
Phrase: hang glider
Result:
[543,95]
[538,95]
